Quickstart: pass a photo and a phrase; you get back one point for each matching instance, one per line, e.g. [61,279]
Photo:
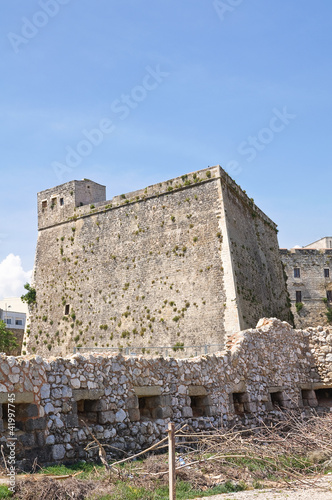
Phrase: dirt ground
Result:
[321,491]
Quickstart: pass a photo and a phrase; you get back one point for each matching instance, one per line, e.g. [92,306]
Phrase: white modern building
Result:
[14,313]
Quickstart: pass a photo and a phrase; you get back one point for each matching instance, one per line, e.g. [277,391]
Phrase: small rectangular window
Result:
[298,296]
[61,201]
[277,399]
[199,405]
[8,321]
[324,397]
[308,397]
[326,273]
[329,295]
[53,202]
[67,308]
[44,204]
[19,322]
[87,411]
[297,272]
[148,407]
[240,402]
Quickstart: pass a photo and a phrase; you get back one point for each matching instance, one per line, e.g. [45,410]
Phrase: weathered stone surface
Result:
[58,452]
[310,281]
[128,251]
[261,366]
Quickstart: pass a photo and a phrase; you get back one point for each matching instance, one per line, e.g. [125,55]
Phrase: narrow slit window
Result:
[298,296]
[326,273]
[329,295]
[62,201]
[67,309]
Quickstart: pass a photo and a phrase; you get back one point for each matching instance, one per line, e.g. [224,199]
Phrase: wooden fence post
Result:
[171,461]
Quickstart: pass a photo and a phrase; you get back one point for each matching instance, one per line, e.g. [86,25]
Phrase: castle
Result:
[188,261]
[184,262]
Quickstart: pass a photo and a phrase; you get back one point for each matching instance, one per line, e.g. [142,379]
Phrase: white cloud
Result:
[13,276]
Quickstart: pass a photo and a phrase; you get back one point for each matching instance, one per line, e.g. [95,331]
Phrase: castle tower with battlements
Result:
[187,261]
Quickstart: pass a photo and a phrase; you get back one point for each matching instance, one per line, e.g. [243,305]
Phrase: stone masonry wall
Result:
[312,284]
[258,274]
[127,402]
[146,272]
[152,267]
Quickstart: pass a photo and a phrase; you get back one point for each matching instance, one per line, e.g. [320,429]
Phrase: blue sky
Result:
[181,84]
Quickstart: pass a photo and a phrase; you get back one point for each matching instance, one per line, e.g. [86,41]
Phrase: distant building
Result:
[13,312]
[325,242]
[309,273]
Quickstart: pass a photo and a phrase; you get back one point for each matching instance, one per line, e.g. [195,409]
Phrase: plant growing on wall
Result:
[30,296]
[329,314]
[299,306]
[7,339]
[178,346]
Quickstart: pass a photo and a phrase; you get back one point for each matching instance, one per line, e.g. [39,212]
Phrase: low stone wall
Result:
[127,402]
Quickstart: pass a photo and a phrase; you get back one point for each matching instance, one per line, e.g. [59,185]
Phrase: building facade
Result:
[15,322]
[309,282]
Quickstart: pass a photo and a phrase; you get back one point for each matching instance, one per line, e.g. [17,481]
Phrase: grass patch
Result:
[184,491]
[63,470]
[4,492]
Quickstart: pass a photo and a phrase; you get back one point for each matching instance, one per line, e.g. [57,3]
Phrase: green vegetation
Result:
[30,296]
[7,339]
[178,346]
[329,314]
[299,306]
[4,492]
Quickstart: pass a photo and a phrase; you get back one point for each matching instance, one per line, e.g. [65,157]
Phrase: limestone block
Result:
[120,416]
[35,424]
[58,452]
[187,412]
[148,391]
[134,414]
[106,417]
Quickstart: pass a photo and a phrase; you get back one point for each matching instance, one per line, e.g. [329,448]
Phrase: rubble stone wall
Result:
[127,402]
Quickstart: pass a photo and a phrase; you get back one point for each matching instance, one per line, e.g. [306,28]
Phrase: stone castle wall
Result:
[258,274]
[161,266]
[312,284]
[127,402]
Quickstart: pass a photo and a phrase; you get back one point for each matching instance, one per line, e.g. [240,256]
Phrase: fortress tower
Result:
[186,261]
